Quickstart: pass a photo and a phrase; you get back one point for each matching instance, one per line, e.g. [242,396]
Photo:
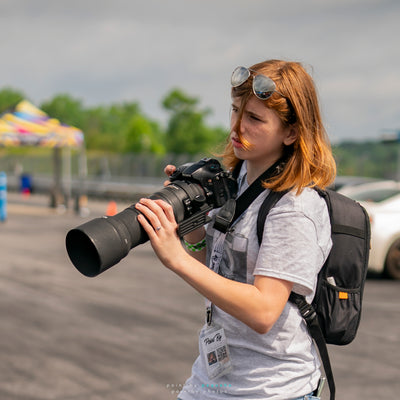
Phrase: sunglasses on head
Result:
[263,87]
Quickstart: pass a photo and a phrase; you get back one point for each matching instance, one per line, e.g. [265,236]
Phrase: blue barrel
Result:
[3,196]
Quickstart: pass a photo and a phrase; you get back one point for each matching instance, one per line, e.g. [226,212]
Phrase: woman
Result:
[256,339]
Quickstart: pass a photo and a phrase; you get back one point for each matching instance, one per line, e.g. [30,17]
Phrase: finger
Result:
[151,233]
[150,210]
[162,212]
[169,169]
[167,208]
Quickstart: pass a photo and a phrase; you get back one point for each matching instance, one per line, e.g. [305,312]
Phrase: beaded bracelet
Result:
[195,246]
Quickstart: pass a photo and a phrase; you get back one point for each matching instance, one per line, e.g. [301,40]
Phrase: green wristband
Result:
[195,246]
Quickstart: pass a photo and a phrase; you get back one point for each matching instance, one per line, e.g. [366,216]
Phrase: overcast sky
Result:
[112,51]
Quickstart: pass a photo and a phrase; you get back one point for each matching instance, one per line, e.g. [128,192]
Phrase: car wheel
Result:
[392,264]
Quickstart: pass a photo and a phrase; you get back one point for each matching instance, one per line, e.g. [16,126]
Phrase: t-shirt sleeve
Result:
[291,246]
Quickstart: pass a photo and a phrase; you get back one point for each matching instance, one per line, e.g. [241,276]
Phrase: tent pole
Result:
[81,199]
[56,195]
[67,176]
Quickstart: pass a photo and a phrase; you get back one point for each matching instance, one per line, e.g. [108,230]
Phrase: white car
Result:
[382,202]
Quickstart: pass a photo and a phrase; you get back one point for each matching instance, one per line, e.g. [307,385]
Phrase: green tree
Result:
[143,136]
[96,137]
[371,159]
[9,97]
[66,109]
[187,131]
[107,126]
[103,126]
[117,116]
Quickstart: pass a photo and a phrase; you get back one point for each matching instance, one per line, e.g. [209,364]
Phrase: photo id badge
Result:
[215,351]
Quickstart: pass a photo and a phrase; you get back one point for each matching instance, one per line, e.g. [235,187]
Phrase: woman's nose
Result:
[237,125]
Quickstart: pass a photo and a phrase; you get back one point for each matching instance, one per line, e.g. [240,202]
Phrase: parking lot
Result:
[131,333]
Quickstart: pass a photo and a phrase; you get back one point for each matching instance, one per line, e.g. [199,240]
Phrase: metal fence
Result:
[112,175]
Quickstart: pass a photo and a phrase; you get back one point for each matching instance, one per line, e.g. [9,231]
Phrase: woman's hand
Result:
[258,305]
[158,220]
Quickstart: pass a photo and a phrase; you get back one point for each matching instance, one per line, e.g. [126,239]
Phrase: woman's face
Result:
[263,129]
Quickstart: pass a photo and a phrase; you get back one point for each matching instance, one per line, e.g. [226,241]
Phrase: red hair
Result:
[309,159]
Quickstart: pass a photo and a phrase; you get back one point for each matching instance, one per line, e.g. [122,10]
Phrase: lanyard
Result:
[230,212]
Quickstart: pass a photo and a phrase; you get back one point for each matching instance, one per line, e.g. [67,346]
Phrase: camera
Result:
[195,189]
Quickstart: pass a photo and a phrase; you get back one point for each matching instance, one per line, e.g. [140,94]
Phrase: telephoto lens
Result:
[194,190]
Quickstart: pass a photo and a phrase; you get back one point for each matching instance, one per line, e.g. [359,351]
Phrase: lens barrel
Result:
[99,244]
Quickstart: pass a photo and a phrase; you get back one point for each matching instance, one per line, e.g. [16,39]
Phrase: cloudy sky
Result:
[137,50]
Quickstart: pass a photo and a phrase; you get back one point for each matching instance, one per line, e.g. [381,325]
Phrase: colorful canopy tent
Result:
[27,125]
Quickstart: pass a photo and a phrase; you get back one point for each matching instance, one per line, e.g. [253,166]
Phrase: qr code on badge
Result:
[222,353]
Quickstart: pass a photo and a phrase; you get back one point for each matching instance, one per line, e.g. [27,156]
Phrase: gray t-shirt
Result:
[283,363]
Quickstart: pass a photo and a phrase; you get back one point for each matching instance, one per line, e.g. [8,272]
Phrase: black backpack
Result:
[334,315]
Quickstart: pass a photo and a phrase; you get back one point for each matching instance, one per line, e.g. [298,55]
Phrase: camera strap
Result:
[234,208]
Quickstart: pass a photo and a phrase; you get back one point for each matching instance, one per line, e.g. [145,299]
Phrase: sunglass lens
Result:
[263,87]
[239,76]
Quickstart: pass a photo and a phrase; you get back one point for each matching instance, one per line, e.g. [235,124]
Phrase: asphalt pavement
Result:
[131,332]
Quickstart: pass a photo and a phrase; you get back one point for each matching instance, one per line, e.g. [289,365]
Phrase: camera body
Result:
[217,187]
[195,189]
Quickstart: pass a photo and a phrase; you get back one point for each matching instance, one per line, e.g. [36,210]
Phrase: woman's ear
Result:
[291,135]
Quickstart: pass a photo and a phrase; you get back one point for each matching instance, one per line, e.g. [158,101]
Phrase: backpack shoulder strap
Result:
[306,310]
[232,209]
[266,206]
[309,315]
